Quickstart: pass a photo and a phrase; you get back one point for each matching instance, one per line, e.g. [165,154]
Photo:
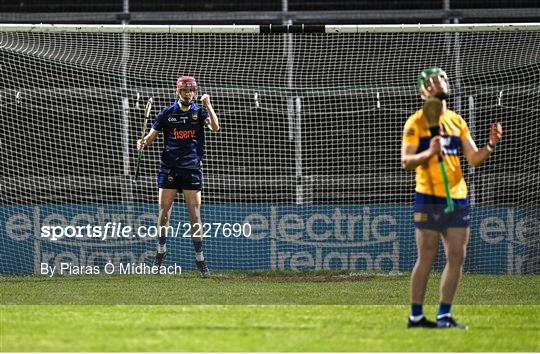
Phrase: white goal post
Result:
[308,157]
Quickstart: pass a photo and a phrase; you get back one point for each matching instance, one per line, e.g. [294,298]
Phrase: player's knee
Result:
[428,253]
[194,214]
[165,207]
[194,206]
[426,260]
[196,223]
[456,258]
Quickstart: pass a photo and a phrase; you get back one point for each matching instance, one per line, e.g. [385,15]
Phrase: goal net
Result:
[305,174]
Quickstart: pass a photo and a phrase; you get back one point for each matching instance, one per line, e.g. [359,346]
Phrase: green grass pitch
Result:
[261,312]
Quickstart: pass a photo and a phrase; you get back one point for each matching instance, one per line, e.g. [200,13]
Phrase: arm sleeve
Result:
[159,123]
[411,135]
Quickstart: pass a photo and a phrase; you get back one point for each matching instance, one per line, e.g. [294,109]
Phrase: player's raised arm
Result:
[476,156]
[212,121]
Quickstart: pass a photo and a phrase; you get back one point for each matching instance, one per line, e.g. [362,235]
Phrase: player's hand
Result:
[141,144]
[435,145]
[205,99]
[495,133]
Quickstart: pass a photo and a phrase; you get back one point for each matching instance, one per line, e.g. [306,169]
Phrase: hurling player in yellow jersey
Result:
[420,152]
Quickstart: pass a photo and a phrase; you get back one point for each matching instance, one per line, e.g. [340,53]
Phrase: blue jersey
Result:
[183,133]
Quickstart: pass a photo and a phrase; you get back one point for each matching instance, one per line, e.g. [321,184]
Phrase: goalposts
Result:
[307,161]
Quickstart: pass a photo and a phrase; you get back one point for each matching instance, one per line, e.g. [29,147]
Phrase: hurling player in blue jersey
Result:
[182,125]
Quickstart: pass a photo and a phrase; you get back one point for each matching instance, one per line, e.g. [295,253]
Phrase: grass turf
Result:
[261,328]
[260,313]
[264,288]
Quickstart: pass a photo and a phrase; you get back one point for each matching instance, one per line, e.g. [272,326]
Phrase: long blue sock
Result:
[416,310]
[198,250]
[444,310]
[162,244]
[162,240]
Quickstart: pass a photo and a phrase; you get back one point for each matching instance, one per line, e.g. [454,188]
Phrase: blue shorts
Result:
[180,179]
[429,213]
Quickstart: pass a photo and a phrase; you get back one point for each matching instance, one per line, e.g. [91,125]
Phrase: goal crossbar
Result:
[256,29]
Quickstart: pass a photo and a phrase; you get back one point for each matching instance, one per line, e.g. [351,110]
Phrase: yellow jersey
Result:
[454,131]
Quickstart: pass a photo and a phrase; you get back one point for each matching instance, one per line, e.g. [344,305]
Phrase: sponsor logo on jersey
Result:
[184,134]
[176,119]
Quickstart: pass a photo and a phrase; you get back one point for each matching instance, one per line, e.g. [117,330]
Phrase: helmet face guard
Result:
[187,84]
[425,75]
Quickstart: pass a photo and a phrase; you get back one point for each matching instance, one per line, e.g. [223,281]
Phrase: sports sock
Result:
[198,251]
[161,247]
[444,310]
[162,244]
[416,312]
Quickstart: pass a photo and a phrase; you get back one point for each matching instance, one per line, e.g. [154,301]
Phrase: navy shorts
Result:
[429,213]
[180,179]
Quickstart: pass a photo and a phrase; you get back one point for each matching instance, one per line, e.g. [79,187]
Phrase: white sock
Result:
[443,315]
[416,318]
[162,248]
[199,256]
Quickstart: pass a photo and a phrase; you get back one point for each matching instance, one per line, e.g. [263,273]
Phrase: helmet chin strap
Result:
[184,103]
